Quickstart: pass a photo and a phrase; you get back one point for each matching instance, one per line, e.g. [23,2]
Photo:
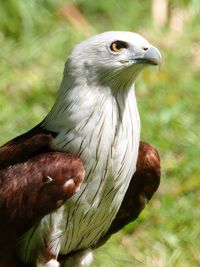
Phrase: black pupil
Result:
[119,45]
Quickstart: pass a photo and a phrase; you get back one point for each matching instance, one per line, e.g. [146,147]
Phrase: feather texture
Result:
[95,118]
[32,186]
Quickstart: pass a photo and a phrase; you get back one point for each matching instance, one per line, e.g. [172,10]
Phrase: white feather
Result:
[80,259]
[51,263]
[97,119]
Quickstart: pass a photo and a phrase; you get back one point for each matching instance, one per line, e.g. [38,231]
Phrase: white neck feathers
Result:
[93,117]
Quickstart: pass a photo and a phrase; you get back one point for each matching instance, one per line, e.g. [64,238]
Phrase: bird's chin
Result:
[134,65]
[142,61]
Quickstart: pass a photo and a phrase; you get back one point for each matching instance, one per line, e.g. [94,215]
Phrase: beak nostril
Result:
[145,48]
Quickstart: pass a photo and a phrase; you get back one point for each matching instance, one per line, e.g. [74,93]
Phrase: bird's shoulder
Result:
[25,146]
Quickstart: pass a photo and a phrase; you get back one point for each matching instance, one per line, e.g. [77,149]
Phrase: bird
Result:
[87,147]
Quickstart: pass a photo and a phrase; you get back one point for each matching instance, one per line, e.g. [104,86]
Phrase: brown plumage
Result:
[27,193]
[25,146]
[33,182]
[95,116]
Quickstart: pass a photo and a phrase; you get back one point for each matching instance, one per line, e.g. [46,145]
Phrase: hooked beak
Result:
[151,56]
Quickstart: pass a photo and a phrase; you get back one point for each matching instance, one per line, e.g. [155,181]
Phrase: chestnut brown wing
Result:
[34,181]
[25,146]
[36,187]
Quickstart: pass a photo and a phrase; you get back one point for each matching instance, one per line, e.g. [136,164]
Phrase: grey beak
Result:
[151,56]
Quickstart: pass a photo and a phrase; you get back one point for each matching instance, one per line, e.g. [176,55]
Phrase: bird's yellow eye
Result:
[118,46]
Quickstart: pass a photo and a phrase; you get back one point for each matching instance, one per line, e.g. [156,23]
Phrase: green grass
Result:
[35,40]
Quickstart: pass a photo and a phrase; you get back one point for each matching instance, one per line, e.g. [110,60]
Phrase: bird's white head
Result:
[111,57]
[103,66]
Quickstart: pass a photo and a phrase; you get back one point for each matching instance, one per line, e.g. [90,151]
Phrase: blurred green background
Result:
[35,39]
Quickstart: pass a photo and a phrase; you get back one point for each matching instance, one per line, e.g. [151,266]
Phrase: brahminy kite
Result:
[82,174]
